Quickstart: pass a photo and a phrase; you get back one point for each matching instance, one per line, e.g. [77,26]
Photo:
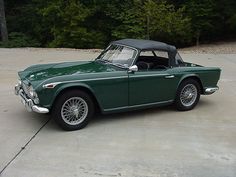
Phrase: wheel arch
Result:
[192,76]
[83,87]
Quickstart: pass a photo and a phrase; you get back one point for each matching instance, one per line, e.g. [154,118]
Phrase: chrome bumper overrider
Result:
[28,103]
[210,90]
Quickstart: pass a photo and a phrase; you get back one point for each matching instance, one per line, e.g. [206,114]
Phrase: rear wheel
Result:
[188,95]
[73,109]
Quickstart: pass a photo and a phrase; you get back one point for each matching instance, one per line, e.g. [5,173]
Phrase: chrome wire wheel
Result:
[188,95]
[74,110]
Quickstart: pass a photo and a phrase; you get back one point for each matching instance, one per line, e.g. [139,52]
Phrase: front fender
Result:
[47,96]
[71,85]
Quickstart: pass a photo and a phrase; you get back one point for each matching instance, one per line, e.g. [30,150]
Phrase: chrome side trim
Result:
[169,76]
[140,105]
[51,85]
[103,78]
[148,75]
[74,74]
[210,90]
[83,80]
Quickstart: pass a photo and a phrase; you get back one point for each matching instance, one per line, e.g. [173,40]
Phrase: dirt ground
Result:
[159,142]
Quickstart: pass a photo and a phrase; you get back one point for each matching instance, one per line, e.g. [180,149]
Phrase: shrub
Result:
[17,39]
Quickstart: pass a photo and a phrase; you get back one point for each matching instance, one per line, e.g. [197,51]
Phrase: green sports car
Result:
[129,74]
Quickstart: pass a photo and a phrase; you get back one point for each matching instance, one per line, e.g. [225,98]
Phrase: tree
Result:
[129,23]
[155,20]
[68,25]
[94,23]
[202,14]
[225,23]
[165,22]
[3,25]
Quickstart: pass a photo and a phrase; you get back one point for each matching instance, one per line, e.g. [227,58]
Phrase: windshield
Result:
[118,55]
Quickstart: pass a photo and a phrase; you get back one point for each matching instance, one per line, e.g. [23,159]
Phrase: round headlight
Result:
[32,93]
[19,82]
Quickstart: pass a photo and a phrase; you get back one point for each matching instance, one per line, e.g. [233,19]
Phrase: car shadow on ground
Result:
[100,119]
[135,114]
[147,111]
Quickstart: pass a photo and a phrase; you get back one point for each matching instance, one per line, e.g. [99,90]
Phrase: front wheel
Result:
[187,95]
[73,109]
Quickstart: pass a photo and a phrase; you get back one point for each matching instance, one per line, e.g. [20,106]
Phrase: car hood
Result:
[46,71]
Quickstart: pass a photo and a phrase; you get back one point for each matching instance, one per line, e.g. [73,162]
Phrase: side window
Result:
[145,60]
[147,53]
[153,60]
[162,60]
[162,54]
[179,60]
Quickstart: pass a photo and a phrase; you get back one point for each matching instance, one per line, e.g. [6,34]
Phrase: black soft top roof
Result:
[146,44]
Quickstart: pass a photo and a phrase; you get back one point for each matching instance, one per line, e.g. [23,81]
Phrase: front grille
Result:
[25,88]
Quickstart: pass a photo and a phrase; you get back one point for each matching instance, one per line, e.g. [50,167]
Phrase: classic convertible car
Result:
[129,74]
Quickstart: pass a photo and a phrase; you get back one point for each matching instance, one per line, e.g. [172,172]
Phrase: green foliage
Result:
[129,24]
[17,39]
[232,23]
[93,24]
[201,14]
[153,20]
[68,25]
[166,23]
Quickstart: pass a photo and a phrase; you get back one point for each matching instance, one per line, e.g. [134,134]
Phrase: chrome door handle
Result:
[169,76]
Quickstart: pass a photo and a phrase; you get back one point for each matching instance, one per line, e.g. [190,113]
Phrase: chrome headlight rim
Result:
[33,95]
[19,82]
[31,91]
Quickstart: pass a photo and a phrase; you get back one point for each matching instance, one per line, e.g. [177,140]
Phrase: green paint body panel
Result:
[151,86]
[114,88]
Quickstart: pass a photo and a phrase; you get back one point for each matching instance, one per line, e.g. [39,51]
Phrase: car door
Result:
[152,86]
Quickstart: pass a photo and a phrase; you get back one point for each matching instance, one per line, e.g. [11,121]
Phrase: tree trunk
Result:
[198,38]
[148,25]
[3,25]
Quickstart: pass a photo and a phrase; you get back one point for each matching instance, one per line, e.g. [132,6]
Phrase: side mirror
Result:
[133,68]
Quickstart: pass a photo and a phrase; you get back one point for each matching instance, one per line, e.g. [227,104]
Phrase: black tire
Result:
[59,115]
[192,84]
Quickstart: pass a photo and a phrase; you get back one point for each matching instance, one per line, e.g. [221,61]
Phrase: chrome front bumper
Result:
[28,103]
[210,90]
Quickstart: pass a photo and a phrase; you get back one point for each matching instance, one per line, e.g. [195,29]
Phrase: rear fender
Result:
[190,76]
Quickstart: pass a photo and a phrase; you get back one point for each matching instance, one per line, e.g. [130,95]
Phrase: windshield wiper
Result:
[103,60]
[109,62]
[118,65]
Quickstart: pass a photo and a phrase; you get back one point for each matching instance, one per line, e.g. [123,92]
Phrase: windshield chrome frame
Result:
[134,58]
